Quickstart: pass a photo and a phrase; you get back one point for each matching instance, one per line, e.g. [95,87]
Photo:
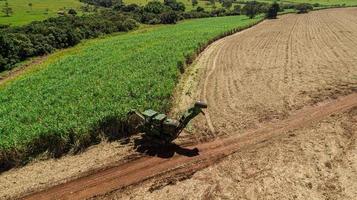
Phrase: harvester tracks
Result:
[276,67]
[260,81]
[144,168]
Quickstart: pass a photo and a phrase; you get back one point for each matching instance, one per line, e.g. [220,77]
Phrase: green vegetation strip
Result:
[67,104]
[322,2]
[25,11]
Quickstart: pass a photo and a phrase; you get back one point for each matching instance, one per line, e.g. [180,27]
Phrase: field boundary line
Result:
[210,153]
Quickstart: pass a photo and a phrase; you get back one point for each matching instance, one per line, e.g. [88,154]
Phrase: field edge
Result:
[54,146]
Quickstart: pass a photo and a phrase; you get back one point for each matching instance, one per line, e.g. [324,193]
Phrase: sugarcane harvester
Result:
[157,128]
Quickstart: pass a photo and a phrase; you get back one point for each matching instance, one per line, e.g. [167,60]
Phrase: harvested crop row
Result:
[261,76]
[265,73]
[69,103]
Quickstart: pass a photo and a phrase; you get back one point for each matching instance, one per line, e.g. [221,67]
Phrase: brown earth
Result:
[189,161]
[313,162]
[264,73]
[260,85]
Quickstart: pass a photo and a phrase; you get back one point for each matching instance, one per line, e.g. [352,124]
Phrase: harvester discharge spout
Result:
[191,113]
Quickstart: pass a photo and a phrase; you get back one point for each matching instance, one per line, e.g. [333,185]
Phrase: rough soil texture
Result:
[278,66]
[263,75]
[260,86]
[49,172]
[190,159]
[316,162]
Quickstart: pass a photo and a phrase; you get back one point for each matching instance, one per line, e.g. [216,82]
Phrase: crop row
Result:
[69,103]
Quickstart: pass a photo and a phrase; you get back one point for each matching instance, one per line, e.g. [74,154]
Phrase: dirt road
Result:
[208,153]
[312,162]
[272,88]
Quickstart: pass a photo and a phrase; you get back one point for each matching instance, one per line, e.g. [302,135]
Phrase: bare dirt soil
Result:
[314,162]
[263,87]
[190,160]
[279,66]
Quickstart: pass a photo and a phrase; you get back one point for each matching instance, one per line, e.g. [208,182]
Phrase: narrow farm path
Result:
[209,153]
[276,80]
[15,73]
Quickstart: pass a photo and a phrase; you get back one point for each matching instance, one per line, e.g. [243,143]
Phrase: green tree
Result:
[227,4]
[174,5]
[155,7]
[169,17]
[89,8]
[194,3]
[273,10]
[251,9]
[103,3]
[119,5]
[7,10]
[72,12]
[303,8]
[200,9]
[30,5]
[237,9]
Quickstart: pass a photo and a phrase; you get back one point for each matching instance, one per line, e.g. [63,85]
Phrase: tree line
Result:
[43,37]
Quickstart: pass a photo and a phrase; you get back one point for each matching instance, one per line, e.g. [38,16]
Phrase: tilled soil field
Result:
[282,102]
[162,171]
[266,72]
[316,162]
[261,76]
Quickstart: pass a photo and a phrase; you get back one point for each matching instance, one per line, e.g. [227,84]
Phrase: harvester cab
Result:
[158,128]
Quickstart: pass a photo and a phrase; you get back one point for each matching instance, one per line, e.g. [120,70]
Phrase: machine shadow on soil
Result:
[166,151]
[159,131]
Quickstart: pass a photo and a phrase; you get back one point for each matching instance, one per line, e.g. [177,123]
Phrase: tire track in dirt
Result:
[266,72]
[145,168]
[250,101]
[209,122]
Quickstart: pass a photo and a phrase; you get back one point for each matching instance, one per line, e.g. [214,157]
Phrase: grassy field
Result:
[42,9]
[68,101]
[24,14]
[188,3]
[322,2]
